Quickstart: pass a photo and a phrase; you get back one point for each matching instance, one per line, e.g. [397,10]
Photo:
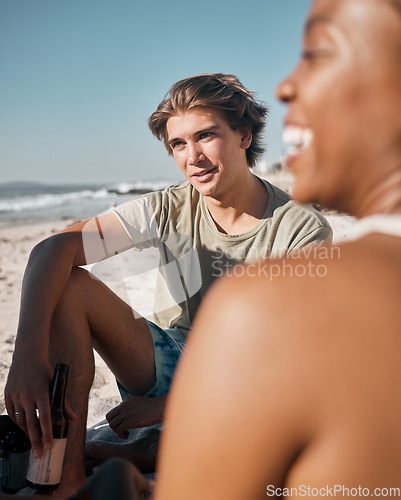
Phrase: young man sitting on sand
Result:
[223,214]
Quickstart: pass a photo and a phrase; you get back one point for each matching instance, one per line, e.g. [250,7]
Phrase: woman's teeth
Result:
[296,139]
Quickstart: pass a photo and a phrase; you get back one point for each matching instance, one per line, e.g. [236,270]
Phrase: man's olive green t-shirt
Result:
[193,252]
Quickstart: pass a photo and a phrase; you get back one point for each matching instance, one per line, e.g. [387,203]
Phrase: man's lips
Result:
[205,174]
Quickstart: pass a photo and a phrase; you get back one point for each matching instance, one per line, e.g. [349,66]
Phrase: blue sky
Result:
[79,78]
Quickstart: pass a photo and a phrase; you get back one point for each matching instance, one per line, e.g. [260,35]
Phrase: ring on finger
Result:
[19,414]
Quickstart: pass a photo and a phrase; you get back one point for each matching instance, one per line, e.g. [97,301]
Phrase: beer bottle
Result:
[15,454]
[44,473]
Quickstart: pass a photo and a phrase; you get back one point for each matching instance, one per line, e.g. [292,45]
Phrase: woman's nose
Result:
[285,90]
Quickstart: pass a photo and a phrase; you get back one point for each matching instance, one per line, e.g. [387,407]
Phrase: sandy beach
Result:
[16,242]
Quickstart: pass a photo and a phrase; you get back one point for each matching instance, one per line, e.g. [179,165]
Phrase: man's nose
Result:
[195,154]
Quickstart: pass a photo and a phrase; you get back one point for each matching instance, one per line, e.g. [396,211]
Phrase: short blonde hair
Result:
[222,92]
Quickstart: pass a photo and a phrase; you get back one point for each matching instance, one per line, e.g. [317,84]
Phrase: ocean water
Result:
[22,202]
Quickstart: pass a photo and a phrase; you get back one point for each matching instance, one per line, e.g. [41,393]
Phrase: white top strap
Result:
[381,223]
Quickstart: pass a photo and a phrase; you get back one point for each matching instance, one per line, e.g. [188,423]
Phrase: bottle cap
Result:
[62,367]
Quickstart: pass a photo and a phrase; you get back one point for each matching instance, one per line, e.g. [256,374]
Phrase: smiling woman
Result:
[298,376]
[343,69]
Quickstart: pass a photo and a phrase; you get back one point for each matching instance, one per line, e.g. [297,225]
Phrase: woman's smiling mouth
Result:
[296,140]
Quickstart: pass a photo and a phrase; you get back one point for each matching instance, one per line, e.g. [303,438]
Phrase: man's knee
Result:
[77,289]
[80,277]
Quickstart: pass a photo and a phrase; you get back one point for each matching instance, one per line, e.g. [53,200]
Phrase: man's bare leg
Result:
[90,315]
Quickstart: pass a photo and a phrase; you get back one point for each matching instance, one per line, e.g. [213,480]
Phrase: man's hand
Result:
[26,392]
[134,412]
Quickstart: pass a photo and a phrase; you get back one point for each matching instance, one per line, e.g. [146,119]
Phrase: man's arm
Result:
[46,276]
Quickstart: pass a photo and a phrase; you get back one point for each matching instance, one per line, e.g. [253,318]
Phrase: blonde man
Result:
[222,215]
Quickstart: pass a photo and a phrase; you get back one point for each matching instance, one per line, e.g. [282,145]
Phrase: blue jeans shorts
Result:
[168,346]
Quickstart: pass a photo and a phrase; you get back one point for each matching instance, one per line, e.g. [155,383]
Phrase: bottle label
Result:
[47,469]
[14,470]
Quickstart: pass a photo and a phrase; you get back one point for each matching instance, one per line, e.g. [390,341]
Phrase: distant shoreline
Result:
[28,202]
[32,202]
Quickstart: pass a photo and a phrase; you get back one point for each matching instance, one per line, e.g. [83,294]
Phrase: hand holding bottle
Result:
[26,391]
[44,473]
[27,395]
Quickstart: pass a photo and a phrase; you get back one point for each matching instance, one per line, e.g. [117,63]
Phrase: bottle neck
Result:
[58,389]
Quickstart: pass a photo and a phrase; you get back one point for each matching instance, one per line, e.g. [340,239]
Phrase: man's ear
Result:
[246,138]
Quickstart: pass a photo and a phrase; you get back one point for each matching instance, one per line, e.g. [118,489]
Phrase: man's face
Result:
[207,150]
[344,114]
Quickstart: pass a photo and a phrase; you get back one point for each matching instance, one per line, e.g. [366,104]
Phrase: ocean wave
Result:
[139,186]
[47,200]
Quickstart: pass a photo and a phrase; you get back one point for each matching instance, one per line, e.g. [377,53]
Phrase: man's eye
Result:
[176,145]
[206,135]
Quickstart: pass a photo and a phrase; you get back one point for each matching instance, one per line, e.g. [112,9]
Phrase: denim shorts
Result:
[168,346]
